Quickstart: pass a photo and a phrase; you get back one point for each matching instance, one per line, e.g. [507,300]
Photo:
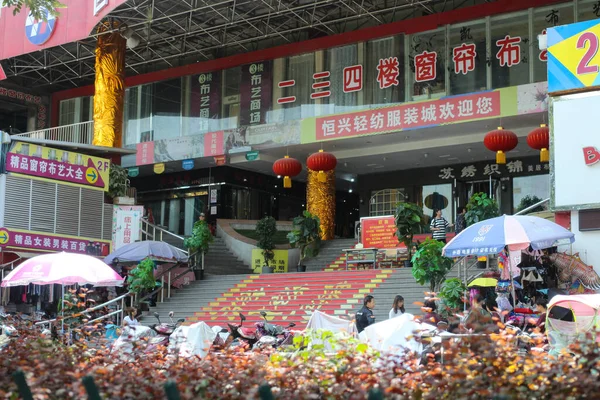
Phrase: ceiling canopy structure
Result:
[170,33]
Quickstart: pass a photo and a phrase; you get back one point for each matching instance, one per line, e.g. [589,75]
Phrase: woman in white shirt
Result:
[130,319]
[398,307]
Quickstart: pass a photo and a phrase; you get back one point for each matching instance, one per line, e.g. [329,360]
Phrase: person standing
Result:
[398,307]
[365,317]
[439,226]
[461,222]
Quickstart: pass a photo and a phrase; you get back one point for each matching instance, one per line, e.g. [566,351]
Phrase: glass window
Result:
[231,97]
[74,111]
[166,107]
[437,197]
[300,69]
[67,112]
[427,62]
[338,59]
[587,10]
[468,66]
[510,50]
[383,202]
[532,186]
[384,54]
[138,115]
[559,14]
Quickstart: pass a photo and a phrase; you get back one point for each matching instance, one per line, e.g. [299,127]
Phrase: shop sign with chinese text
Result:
[256,91]
[280,262]
[513,167]
[379,232]
[59,165]
[38,241]
[127,224]
[573,56]
[409,116]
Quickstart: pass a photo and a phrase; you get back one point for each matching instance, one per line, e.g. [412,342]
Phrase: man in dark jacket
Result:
[365,317]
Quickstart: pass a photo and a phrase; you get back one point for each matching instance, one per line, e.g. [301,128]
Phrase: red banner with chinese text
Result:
[378,232]
[409,116]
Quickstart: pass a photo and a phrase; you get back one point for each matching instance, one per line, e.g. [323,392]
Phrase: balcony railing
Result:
[81,133]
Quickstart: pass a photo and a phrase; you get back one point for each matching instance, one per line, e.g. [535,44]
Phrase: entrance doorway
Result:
[13,117]
[491,187]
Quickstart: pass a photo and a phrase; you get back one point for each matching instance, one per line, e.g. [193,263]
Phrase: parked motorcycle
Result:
[273,335]
[164,332]
[240,335]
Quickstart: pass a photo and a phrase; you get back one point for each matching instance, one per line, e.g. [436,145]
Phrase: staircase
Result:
[220,261]
[285,297]
[330,252]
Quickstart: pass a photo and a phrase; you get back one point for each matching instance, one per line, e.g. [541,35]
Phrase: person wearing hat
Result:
[202,217]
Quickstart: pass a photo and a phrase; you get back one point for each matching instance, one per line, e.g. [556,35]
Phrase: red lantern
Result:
[501,141]
[539,139]
[288,168]
[322,162]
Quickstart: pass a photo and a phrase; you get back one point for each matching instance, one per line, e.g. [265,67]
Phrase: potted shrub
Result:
[198,244]
[118,183]
[266,229]
[409,220]
[306,236]
[452,295]
[429,265]
[141,280]
[480,208]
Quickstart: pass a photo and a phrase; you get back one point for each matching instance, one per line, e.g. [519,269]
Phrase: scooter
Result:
[273,335]
[163,331]
[241,335]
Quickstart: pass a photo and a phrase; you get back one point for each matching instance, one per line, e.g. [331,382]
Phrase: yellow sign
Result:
[280,263]
[41,241]
[59,165]
[159,168]
[573,56]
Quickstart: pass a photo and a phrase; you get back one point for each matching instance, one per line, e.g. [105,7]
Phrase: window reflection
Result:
[467,64]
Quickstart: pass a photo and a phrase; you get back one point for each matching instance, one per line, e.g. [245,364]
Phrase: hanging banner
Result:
[59,165]
[41,241]
[379,232]
[127,225]
[206,101]
[76,21]
[573,59]
[256,90]
[213,144]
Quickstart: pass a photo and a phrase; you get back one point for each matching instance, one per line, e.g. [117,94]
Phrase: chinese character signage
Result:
[280,263]
[379,232]
[181,148]
[408,116]
[573,59]
[256,91]
[206,100]
[213,144]
[29,99]
[127,223]
[476,171]
[59,165]
[37,241]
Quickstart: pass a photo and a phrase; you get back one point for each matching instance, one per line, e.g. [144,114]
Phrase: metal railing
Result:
[80,133]
[151,231]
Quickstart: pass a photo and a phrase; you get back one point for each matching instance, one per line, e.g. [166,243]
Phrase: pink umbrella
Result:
[63,269]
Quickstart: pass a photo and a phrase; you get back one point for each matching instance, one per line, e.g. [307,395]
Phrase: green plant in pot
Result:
[479,208]
[266,229]
[118,181]
[141,279]
[409,220]
[452,295]
[306,236]
[429,265]
[198,244]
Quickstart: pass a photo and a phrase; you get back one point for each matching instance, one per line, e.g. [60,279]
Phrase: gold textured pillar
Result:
[320,199]
[109,97]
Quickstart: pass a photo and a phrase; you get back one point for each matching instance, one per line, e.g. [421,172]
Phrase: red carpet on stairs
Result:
[291,297]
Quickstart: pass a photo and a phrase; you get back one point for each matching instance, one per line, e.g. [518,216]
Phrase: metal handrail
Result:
[81,133]
[158,228]
[536,205]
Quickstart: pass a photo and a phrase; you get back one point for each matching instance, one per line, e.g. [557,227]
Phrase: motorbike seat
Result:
[247,333]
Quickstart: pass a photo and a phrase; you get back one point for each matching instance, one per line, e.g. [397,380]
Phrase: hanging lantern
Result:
[539,139]
[501,141]
[322,162]
[288,168]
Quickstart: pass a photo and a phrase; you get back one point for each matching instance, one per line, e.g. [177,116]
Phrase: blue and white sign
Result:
[187,165]
[39,32]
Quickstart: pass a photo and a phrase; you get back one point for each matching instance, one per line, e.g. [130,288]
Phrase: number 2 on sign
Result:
[583,67]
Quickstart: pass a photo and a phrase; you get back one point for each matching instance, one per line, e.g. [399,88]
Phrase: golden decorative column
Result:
[320,198]
[109,97]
